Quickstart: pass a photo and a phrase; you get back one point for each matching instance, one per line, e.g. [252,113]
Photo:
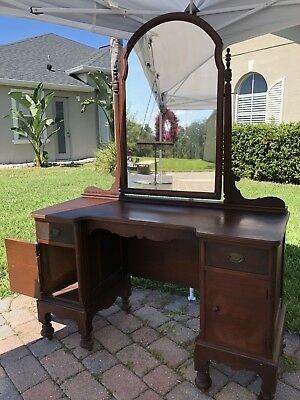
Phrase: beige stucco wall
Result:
[83,130]
[275,56]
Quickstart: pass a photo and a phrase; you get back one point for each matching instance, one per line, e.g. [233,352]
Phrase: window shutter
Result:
[259,105]
[251,108]
[274,103]
[243,108]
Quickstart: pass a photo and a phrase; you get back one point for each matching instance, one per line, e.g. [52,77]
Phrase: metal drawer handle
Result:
[216,308]
[236,258]
[54,232]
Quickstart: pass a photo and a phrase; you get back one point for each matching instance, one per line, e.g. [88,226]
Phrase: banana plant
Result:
[34,127]
[103,98]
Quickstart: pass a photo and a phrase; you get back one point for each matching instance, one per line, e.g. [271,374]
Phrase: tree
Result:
[34,127]
[103,97]
[191,141]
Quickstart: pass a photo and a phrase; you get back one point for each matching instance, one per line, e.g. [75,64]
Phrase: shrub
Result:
[267,152]
[106,159]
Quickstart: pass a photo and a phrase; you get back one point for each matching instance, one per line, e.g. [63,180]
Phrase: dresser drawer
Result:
[56,233]
[236,257]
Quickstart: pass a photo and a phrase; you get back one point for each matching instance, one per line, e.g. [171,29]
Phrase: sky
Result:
[13,29]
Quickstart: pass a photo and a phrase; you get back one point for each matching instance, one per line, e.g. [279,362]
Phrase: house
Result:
[266,78]
[62,65]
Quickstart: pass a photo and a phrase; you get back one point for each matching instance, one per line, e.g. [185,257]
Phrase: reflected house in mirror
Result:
[174,120]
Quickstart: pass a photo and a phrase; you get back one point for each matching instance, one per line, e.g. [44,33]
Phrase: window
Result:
[252,99]
[255,103]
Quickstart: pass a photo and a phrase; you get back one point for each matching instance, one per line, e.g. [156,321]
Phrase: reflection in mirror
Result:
[171,110]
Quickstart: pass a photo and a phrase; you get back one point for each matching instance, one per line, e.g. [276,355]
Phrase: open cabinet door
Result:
[22,260]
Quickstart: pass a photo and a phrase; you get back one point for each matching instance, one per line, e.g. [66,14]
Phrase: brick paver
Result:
[84,386]
[169,352]
[8,390]
[112,339]
[162,379]
[137,359]
[127,323]
[72,342]
[178,332]
[99,362]
[18,317]
[186,390]
[144,355]
[149,395]
[145,336]
[5,331]
[46,389]
[61,365]
[233,391]
[26,373]
[151,316]
[123,383]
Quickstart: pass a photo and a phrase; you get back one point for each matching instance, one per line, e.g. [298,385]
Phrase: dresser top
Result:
[206,222]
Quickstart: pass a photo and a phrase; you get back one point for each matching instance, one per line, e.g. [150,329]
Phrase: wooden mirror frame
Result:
[233,198]
[201,24]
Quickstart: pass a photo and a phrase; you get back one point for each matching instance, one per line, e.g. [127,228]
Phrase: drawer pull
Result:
[216,308]
[55,233]
[236,258]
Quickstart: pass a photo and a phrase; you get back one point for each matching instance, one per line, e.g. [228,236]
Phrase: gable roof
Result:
[27,60]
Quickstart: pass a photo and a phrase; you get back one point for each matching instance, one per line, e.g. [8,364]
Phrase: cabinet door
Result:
[236,311]
[22,260]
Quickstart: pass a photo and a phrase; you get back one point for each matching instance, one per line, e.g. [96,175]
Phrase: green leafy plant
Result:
[106,159]
[267,152]
[33,128]
[104,97]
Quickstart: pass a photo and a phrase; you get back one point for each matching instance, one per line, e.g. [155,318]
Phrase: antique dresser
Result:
[229,247]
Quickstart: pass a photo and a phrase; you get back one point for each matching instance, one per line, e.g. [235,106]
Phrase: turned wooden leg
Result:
[47,328]
[203,380]
[85,327]
[269,382]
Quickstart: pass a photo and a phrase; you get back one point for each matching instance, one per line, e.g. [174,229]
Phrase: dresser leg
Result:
[269,382]
[47,328]
[85,328]
[203,380]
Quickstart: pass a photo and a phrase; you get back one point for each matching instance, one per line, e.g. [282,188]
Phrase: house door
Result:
[63,138]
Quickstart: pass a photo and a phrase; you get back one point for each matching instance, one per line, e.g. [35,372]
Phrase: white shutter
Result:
[243,108]
[274,103]
[251,108]
[259,105]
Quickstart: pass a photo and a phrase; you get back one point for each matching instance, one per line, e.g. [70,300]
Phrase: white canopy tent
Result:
[234,20]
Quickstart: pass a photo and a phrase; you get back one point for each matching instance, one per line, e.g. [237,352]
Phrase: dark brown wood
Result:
[232,251]
[232,195]
[22,260]
[195,20]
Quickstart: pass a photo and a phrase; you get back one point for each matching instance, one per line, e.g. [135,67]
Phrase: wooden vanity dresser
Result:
[228,247]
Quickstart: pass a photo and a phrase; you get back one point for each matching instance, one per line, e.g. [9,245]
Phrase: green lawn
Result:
[183,164]
[25,190]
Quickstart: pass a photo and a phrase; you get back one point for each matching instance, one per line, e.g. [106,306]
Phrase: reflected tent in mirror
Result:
[174,90]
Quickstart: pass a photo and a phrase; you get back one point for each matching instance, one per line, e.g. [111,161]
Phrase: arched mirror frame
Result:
[184,17]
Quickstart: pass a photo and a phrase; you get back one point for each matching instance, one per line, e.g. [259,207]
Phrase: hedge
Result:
[267,152]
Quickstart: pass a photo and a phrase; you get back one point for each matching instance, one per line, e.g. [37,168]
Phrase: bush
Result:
[106,159]
[267,152]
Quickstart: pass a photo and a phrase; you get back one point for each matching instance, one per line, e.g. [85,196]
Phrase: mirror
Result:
[173,111]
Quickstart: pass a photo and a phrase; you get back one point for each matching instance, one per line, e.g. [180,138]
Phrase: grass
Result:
[26,190]
[183,164]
